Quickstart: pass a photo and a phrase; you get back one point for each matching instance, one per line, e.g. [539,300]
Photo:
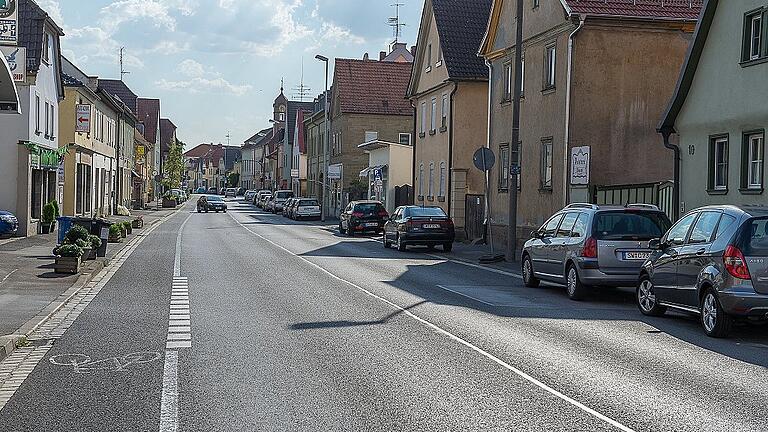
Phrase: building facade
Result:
[30,158]
[719,130]
[449,88]
[315,135]
[389,166]
[593,76]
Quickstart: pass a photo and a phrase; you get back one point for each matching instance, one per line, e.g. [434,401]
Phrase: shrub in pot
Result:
[85,245]
[123,231]
[76,233]
[115,233]
[95,244]
[48,218]
[128,227]
[68,259]
[138,222]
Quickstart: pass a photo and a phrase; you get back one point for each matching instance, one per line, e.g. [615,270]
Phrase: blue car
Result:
[8,224]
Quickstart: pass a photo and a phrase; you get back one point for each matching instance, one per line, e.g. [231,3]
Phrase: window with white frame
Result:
[522,78]
[47,42]
[37,114]
[507,96]
[444,112]
[550,62]
[47,121]
[439,56]
[432,115]
[503,167]
[423,117]
[718,169]
[546,164]
[754,152]
[371,136]
[754,46]
[404,139]
[52,118]
[431,192]
[443,180]
[421,181]
[429,57]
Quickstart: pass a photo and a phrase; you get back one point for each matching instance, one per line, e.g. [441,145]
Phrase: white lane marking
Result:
[177,260]
[179,336]
[179,329]
[169,402]
[173,345]
[8,275]
[453,337]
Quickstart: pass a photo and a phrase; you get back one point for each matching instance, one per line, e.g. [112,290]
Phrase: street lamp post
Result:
[327,138]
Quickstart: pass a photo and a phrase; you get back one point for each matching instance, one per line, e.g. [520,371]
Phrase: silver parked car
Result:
[713,262]
[587,245]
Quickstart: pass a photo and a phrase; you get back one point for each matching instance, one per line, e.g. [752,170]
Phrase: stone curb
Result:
[8,343]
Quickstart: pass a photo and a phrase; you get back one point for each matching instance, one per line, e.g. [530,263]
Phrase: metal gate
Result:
[474,217]
[403,195]
[659,194]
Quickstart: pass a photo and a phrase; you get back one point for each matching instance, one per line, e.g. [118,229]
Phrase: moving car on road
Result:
[201,190]
[240,191]
[713,262]
[212,191]
[363,216]
[9,225]
[586,245]
[422,226]
[306,208]
[208,203]
[249,195]
[230,192]
[279,199]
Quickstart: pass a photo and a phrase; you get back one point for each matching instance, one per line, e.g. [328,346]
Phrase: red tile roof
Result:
[372,87]
[210,152]
[657,9]
[148,112]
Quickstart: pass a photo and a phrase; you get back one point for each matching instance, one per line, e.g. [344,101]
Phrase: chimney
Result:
[413,50]
[365,56]
[382,55]
[93,83]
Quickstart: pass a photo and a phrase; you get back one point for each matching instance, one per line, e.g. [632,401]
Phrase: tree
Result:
[174,166]
[233,179]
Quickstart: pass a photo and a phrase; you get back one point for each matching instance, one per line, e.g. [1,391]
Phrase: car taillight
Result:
[590,248]
[357,214]
[735,263]
[448,223]
[409,225]
[383,214]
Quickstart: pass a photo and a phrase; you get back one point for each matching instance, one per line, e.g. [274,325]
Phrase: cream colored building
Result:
[389,167]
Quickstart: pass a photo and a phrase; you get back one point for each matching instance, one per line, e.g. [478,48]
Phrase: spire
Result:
[282,85]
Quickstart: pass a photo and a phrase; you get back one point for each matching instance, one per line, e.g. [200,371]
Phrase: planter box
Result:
[115,239]
[137,224]
[169,203]
[89,254]
[67,265]
[47,229]
[129,229]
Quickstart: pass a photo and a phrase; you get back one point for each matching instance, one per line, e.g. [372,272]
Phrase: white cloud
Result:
[168,47]
[93,43]
[158,12]
[204,85]
[332,32]
[52,8]
[191,68]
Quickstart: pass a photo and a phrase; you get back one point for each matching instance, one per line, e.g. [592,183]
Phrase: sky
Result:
[216,65]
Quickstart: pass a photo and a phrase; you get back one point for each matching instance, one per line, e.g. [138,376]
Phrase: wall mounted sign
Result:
[9,22]
[580,165]
[17,61]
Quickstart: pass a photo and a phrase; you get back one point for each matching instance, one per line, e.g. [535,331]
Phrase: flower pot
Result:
[137,223]
[89,254]
[117,239]
[46,228]
[129,229]
[67,265]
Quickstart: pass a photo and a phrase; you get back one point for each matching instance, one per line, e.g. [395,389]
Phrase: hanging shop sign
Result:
[17,61]
[9,22]
[42,157]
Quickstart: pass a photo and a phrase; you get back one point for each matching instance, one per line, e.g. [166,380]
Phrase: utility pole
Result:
[514,166]
[123,72]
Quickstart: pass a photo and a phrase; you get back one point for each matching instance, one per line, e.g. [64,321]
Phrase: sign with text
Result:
[334,172]
[82,118]
[9,22]
[17,61]
[580,165]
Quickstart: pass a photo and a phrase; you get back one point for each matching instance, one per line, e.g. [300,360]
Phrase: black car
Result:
[423,226]
[713,263]
[208,203]
[363,216]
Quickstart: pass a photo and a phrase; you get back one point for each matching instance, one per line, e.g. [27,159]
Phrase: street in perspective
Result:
[432,215]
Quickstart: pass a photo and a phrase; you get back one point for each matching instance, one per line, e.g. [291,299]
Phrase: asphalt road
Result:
[295,328]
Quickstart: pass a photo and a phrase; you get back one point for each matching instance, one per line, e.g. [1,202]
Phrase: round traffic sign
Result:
[484,159]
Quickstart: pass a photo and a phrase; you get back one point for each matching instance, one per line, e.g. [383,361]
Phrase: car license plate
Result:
[637,256]
[372,224]
[431,226]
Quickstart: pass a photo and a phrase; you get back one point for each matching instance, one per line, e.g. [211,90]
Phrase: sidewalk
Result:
[29,287]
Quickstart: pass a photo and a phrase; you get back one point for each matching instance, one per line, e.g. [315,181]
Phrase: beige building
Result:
[390,165]
[596,77]
[449,88]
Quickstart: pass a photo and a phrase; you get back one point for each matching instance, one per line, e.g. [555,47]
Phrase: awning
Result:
[135,174]
[9,97]
[364,173]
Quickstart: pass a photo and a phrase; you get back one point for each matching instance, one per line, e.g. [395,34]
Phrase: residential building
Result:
[252,153]
[299,166]
[449,88]
[30,157]
[389,166]
[168,139]
[368,103]
[314,133]
[595,73]
[205,166]
[287,146]
[148,113]
[143,163]
[718,110]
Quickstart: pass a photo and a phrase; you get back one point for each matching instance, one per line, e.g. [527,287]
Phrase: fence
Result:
[659,194]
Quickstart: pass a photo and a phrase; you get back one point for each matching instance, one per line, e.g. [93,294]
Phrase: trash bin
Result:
[100,227]
[65,223]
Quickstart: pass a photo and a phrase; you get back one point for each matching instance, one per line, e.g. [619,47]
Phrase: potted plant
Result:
[95,242]
[138,222]
[85,246]
[48,218]
[128,227]
[76,233]
[123,231]
[115,234]
[68,259]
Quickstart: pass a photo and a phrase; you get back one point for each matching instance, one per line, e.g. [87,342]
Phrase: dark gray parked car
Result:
[587,245]
[714,263]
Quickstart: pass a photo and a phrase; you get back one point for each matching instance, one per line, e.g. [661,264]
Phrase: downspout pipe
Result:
[666,133]
[489,138]
[449,192]
[415,139]
[569,82]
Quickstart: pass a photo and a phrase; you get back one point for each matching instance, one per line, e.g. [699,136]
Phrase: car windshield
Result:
[426,212]
[284,195]
[214,198]
[309,203]
[756,232]
[368,207]
[630,225]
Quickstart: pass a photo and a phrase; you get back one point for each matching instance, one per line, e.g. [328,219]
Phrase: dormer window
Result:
[47,46]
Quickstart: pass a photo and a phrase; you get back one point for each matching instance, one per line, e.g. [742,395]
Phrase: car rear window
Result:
[630,225]
[368,207]
[284,195]
[756,237]
[308,203]
[214,198]
[427,212]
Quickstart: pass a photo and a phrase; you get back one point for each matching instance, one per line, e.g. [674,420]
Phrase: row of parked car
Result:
[713,262]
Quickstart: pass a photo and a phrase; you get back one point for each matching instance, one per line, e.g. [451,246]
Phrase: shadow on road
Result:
[346,323]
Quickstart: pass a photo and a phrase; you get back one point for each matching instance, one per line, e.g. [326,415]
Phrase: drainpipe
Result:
[566,158]
[414,138]
[489,135]
[666,132]
[450,154]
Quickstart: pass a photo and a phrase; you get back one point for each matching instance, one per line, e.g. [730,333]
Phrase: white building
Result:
[30,158]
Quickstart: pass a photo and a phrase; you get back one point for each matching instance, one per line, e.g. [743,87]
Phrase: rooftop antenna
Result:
[302,91]
[396,24]
[123,72]
[229,138]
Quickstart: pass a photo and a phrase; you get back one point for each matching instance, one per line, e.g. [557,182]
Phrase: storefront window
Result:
[37,194]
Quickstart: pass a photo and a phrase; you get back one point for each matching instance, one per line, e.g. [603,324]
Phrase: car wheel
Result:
[715,321]
[198,210]
[341,229]
[206,210]
[386,242]
[576,289]
[646,298]
[400,245]
[528,278]
[350,232]
[447,247]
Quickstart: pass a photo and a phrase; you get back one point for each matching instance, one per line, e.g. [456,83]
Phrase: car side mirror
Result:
[536,234]
[656,244]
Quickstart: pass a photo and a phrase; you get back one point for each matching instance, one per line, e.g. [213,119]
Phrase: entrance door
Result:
[474,217]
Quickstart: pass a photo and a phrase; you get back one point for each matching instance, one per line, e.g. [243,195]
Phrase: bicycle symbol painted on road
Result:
[83,364]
